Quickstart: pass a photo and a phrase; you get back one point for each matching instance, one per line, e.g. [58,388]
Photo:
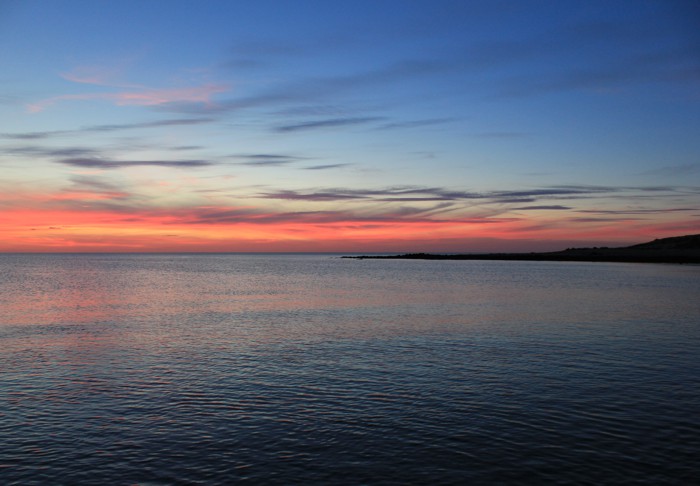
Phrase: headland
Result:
[677,249]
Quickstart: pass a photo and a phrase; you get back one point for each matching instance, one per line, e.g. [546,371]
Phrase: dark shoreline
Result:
[677,249]
[649,256]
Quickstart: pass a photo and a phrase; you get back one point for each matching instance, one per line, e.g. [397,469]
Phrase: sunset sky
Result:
[353,126]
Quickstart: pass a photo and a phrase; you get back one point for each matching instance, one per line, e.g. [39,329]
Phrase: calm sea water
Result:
[298,369]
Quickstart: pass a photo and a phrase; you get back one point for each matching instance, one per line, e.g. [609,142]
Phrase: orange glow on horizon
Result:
[27,230]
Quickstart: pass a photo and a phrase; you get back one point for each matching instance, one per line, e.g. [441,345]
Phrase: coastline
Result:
[678,249]
[692,257]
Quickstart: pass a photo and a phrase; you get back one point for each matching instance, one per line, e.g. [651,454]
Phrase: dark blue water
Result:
[195,369]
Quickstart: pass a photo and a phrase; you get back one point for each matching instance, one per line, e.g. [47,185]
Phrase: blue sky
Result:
[307,126]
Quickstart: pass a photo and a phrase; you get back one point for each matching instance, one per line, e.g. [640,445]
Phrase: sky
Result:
[337,126]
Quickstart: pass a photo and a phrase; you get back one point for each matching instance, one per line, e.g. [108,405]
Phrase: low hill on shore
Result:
[688,242]
[677,249]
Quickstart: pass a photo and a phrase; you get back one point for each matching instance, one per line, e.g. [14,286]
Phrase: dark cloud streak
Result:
[402,215]
[635,211]
[537,208]
[328,123]
[98,163]
[325,166]
[153,124]
[507,198]
[267,160]
[108,128]
[415,123]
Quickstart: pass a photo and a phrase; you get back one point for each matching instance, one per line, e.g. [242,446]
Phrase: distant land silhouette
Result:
[677,249]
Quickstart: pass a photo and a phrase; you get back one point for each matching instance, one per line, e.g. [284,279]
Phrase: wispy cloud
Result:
[537,208]
[94,183]
[318,89]
[499,200]
[150,124]
[252,216]
[257,53]
[415,123]
[673,170]
[41,151]
[32,135]
[315,196]
[671,66]
[267,160]
[325,166]
[181,148]
[108,128]
[100,75]
[201,95]
[398,194]
[602,220]
[637,211]
[87,188]
[100,163]
[619,54]
[555,191]
[328,123]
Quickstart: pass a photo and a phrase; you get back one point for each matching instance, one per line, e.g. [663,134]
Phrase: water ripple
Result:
[222,369]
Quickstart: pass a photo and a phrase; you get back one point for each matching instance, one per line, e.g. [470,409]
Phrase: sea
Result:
[198,369]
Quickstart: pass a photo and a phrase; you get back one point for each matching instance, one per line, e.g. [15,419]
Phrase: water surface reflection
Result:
[135,369]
